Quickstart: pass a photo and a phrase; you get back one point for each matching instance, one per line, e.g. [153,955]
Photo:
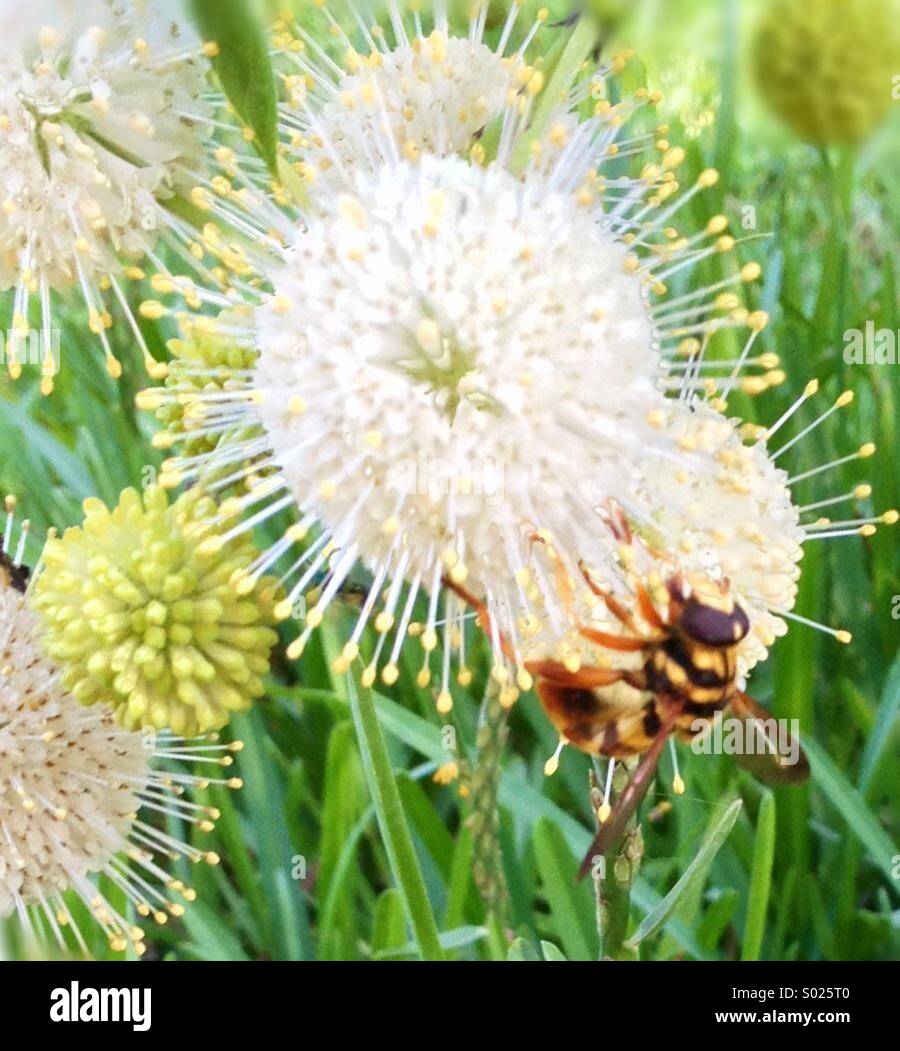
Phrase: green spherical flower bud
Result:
[149,611]
[827,68]
[206,359]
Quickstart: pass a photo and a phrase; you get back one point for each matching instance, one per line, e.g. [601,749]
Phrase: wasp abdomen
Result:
[699,673]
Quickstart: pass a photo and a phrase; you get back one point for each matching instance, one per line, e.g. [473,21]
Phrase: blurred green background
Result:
[304,872]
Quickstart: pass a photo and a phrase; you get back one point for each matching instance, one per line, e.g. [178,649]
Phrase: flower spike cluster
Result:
[80,797]
[99,116]
[465,337]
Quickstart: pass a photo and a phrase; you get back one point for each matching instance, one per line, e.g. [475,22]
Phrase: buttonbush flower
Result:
[728,522]
[99,112]
[431,93]
[459,345]
[738,519]
[827,68]
[78,795]
[142,611]
[207,358]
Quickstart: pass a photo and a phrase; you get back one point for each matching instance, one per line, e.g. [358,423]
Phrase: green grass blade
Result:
[571,904]
[288,929]
[846,799]
[715,837]
[242,65]
[392,821]
[581,42]
[884,727]
[760,879]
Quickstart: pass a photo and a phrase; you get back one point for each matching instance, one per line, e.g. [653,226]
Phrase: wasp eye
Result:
[714,625]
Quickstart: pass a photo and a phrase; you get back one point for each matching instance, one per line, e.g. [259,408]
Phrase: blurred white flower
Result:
[78,794]
[99,105]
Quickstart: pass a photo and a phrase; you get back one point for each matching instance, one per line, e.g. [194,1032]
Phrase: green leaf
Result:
[697,869]
[289,936]
[392,821]
[852,807]
[522,951]
[243,68]
[760,879]
[884,726]
[571,903]
[389,923]
[552,952]
[581,42]
[449,940]
[213,939]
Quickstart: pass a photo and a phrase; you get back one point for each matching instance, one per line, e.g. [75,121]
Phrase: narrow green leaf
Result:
[884,727]
[392,821]
[760,879]
[552,952]
[289,936]
[460,883]
[212,937]
[713,841]
[243,68]
[571,903]
[582,40]
[522,951]
[852,807]
[449,941]
[389,922]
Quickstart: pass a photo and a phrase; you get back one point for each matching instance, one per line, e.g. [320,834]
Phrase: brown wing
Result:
[776,757]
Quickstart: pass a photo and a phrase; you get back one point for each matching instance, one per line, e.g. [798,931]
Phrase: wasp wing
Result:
[775,757]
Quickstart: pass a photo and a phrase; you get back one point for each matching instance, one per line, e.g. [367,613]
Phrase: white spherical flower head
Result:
[475,356]
[727,513]
[77,794]
[470,326]
[431,94]
[59,816]
[98,110]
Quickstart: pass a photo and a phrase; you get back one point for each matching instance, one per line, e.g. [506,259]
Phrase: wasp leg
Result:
[483,616]
[583,679]
[613,605]
[612,830]
[647,608]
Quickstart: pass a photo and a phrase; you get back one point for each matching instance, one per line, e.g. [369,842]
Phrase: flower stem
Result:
[392,821]
[484,821]
[612,886]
